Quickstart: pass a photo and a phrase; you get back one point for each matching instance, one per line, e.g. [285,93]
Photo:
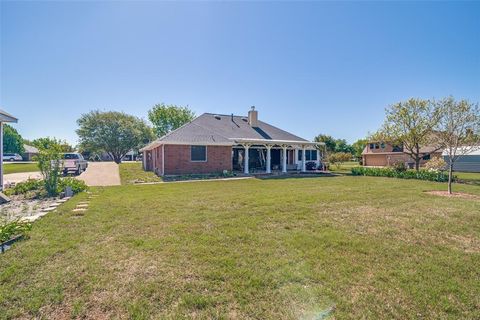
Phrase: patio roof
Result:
[271,142]
[6,117]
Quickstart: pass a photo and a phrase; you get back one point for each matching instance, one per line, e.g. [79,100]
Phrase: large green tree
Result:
[412,123]
[115,133]
[12,140]
[166,118]
[341,145]
[329,141]
[358,147]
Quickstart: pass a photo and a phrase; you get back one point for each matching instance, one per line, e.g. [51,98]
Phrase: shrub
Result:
[13,228]
[399,166]
[49,162]
[37,187]
[76,185]
[27,186]
[311,165]
[338,158]
[436,164]
[422,174]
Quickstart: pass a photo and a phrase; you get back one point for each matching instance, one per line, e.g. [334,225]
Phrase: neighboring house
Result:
[4,118]
[383,154]
[213,143]
[468,162]
[29,152]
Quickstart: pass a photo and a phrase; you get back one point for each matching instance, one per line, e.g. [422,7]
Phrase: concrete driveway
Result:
[97,174]
[20,177]
[101,174]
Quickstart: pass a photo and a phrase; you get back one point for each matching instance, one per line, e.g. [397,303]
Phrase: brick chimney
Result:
[253,117]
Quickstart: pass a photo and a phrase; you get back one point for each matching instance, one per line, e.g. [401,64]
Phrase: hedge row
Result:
[439,176]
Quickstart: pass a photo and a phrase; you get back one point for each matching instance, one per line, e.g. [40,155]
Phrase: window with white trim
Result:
[198,153]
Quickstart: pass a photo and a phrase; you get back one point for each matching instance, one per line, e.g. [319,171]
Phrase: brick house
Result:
[213,143]
[383,154]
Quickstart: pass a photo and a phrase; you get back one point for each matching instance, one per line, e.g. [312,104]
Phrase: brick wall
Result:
[383,160]
[177,160]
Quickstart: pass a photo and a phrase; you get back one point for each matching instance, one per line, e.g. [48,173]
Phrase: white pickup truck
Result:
[73,163]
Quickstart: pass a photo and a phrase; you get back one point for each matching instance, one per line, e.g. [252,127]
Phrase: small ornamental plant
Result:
[436,164]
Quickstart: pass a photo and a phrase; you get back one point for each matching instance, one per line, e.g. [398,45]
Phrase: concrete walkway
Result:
[101,174]
[20,177]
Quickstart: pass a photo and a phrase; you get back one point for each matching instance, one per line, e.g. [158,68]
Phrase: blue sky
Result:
[309,67]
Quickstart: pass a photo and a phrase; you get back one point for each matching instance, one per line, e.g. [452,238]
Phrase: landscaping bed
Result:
[21,207]
[422,174]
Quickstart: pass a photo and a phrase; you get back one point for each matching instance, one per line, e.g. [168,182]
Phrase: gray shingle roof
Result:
[30,149]
[211,128]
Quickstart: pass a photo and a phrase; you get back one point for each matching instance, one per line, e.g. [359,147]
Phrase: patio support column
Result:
[269,159]
[303,159]
[245,158]
[319,160]
[284,162]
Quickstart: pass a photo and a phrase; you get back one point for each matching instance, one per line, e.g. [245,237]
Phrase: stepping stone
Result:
[62,200]
[83,202]
[49,209]
[79,210]
[30,218]
[56,204]
[82,205]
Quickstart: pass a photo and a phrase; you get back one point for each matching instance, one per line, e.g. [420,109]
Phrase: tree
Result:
[115,133]
[412,124]
[49,162]
[458,131]
[339,158]
[329,141]
[358,147]
[12,140]
[341,145]
[166,118]
[45,143]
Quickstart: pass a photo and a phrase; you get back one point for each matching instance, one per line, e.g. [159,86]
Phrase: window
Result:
[382,145]
[397,148]
[198,153]
[377,146]
[372,146]
[310,155]
[426,157]
[70,156]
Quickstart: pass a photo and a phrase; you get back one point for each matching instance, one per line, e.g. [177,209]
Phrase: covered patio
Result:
[267,156]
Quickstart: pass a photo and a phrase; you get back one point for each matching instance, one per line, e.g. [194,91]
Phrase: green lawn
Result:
[354,247]
[20,167]
[469,177]
[344,168]
[132,172]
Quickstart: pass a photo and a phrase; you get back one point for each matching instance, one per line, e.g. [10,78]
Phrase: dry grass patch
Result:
[460,195]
